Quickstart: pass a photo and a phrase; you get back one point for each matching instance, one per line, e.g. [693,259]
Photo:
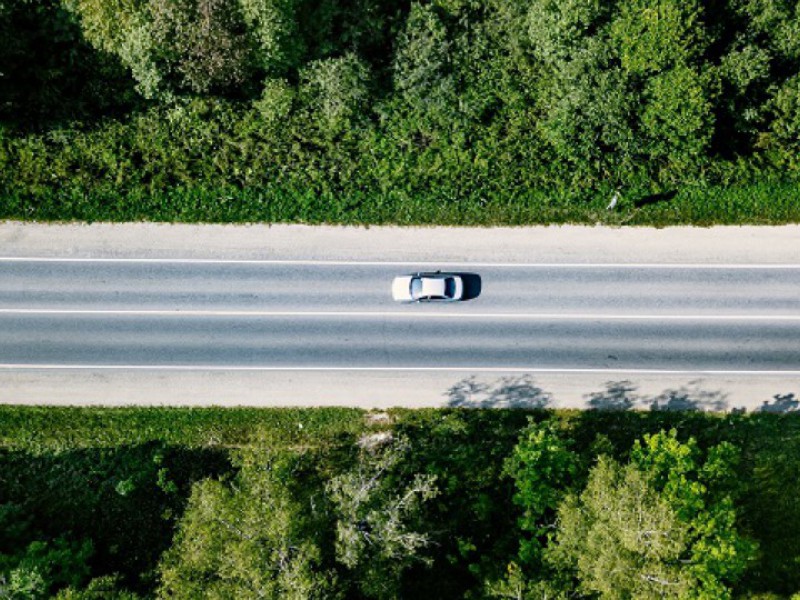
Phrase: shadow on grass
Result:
[124,499]
[655,199]
[51,76]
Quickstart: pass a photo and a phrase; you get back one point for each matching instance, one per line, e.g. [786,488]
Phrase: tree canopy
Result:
[661,526]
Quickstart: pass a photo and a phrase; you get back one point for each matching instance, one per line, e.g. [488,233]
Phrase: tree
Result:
[785,135]
[107,587]
[775,22]
[30,570]
[661,526]
[677,119]
[422,70]
[273,25]
[587,101]
[588,116]
[558,29]
[246,539]
[123,28]
[660,44]
[544,469]
[202,43]
[376,512]
[201,46]
[655,35]
[335,92]
[42,567]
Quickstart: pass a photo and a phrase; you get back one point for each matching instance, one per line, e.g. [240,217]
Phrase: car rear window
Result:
[416,287]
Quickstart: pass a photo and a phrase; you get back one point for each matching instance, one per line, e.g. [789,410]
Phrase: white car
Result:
[428,287]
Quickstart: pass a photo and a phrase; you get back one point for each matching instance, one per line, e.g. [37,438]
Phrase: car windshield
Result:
[449,287]
[416,287]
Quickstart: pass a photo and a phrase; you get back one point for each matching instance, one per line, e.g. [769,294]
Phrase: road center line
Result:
[411,264]
[410,314]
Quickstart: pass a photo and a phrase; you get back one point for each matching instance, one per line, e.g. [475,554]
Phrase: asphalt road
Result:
[318,315]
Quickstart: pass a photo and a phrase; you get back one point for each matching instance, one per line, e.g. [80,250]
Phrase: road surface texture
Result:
[290,315]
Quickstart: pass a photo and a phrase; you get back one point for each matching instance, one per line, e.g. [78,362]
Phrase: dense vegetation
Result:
[371,111]
[452,503]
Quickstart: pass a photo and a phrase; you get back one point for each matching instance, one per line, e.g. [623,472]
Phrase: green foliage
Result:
[656,35]
[42,566]
[384,111]
[107,587]
[201,46]
[557,29]
[422,66]
[123,28]
[245,539]
[473,535]
[657,527]
[50,75]
[335,90]
[201,43]
[275,104]
[587,119]
[622,537]
[786,126]
[543,469]
[778,21]
[725,477]
[273,24]
[44,430]
[375,534]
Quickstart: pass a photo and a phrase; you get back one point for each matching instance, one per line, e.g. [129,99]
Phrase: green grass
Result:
[765,203]
[55,429]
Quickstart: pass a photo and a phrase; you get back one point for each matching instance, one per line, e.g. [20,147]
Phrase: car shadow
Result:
[472,285]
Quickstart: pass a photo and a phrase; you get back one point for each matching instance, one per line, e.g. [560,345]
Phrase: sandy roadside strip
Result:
[578,244]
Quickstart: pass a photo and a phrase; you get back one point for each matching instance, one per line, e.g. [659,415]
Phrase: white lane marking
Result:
[406,263]
[411,314]
[475,369]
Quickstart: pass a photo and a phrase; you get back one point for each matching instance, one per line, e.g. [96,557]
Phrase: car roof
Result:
[433,286]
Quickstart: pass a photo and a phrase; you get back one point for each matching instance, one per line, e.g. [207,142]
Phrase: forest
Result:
[134,503]
[471,112]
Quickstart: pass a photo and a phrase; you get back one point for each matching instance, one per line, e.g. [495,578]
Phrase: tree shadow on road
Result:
[522,391]
[618,395]
[506,392]
[690,398]
[781,403]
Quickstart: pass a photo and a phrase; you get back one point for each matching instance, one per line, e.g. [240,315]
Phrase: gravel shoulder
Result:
[445,244]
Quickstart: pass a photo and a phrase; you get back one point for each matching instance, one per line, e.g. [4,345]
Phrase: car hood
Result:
[401,288]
